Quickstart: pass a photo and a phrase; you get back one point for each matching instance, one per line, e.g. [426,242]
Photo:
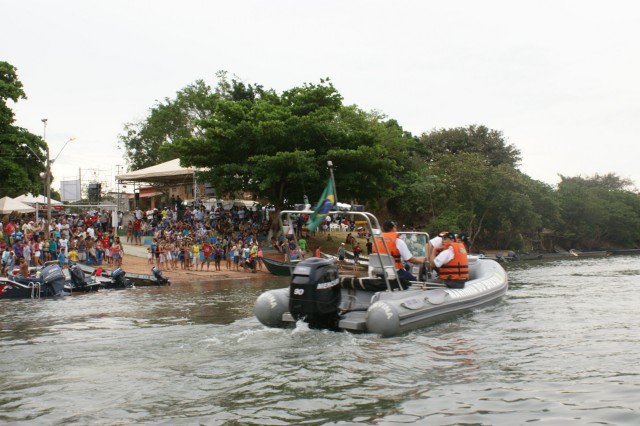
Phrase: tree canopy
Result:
[20,167]
[275,146]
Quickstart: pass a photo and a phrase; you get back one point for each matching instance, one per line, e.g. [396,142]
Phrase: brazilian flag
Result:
[325,205]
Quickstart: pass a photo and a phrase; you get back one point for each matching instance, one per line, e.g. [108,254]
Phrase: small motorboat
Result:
[49,282]
[139,280]
[381,302]
[279,267]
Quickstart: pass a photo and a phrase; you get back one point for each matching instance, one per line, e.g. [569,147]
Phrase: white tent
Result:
[168,172]
[40,199]
[8,205]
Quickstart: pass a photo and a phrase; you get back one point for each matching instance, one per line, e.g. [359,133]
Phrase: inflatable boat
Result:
[380,302]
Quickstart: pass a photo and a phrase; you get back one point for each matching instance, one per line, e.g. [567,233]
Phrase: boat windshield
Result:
[416,241]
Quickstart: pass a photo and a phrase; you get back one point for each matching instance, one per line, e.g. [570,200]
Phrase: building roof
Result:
[166,173]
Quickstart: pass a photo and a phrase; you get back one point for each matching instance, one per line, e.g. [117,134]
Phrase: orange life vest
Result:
[458,267]
[390,238]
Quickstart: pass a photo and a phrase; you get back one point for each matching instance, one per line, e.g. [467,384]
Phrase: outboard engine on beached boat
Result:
[52,281]
[314,293]
[118,279]
[77,278]
[157,273]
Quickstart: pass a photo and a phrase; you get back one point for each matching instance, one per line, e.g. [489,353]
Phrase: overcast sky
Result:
[560,79]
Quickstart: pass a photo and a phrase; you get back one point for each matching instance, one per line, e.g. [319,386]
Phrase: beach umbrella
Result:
[40,199]
[8,205]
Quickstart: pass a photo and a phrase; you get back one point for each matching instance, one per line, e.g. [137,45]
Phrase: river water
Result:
[561,348]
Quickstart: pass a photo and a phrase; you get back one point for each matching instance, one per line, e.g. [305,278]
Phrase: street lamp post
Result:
[47,175]
[47,180]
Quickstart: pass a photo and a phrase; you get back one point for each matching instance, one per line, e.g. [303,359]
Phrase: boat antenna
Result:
[333,182]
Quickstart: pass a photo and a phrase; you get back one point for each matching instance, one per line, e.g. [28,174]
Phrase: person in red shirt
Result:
[137,232]
[207,251]
[106,244]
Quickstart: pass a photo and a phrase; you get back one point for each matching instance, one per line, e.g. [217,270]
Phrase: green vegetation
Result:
[20,168]
[275,146]
[466,179]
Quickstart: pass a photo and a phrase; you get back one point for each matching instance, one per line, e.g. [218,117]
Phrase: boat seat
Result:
[381,264]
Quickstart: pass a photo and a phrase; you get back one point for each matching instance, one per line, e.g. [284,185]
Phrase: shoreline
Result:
[135,261]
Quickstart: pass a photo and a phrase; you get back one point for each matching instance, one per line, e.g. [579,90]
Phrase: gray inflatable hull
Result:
[389,313]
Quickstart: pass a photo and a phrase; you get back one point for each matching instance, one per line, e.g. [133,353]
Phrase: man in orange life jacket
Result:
[397,249]
[452,262]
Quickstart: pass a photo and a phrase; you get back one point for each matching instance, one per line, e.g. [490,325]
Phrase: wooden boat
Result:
[279,267]
[381,302]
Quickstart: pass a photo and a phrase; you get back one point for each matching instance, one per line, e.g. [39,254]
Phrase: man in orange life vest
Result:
[397,249]
[452,262]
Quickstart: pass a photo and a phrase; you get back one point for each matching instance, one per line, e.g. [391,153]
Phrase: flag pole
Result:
[333,182]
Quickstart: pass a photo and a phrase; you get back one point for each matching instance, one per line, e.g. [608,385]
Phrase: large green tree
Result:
[276,146]
[21,152]
[490,144]
[598,211]
[147,142]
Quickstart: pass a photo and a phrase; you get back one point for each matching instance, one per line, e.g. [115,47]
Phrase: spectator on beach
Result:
[82,251]
[302,244]
[26,253]
[116,252]
[357,250]
[62,257]
[207,252]
[195,254]
[218,254]
[341,256]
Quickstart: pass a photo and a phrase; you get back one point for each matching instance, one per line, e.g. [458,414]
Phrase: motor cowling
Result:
[77,277]
[118,278]
[314,293]
[53,280]
[157,274]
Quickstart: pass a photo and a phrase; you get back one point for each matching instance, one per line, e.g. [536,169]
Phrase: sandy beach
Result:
[135,261]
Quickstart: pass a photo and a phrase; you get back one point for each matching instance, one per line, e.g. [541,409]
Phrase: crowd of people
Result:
[181,238]
[193,239]
[188,239]
[87,238]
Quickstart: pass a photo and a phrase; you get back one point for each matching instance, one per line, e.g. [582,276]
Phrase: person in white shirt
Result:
[434,244]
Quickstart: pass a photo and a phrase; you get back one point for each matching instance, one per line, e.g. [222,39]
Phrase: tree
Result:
[20,168]
[490,144]
[277,146]
[148,142]
[598,211]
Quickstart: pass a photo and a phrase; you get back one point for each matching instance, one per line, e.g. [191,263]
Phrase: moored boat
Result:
[139,280]
[279,267]
[50,282]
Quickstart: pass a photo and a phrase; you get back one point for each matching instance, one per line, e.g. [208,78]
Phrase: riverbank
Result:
[135,261]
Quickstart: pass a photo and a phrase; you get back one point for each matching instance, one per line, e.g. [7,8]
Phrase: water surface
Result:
[561,348]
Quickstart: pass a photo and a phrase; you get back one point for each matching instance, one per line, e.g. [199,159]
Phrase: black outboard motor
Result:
[118,280]
[77,278]
[52,281]
[314,293]
[157,274]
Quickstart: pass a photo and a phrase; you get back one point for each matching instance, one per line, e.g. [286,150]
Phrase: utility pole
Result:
[47,180]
